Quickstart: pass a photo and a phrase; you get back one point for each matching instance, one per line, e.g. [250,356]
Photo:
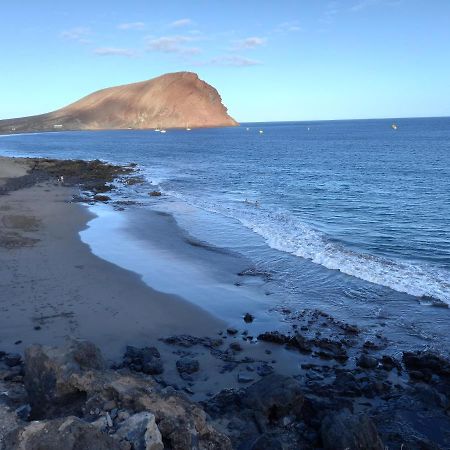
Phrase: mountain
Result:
[174,100]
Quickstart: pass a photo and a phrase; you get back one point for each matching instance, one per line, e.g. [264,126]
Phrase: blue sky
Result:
[270,60]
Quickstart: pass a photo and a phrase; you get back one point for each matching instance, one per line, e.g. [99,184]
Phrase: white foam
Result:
[284,232]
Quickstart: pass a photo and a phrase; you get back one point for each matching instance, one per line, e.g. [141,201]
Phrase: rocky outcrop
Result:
[69,433]
[346,431]
[104,404]
[174,100]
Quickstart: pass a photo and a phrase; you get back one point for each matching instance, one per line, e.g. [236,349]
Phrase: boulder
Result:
[50,373]
[141,431]
[274,397]
[69,433]
[74,379]
[427,362]
[187,365]
[12,359]
[8,421]
[346,431]
[366,361]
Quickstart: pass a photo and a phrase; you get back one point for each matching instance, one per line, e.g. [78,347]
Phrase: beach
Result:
[56,289]
[53,286]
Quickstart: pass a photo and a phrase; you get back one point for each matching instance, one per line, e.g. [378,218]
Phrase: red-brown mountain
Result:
[174,100]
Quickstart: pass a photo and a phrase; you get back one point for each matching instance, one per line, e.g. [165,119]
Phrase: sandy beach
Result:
[54,287]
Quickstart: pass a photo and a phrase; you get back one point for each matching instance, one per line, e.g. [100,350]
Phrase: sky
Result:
[270,60]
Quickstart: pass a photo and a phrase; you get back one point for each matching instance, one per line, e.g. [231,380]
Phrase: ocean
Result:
[348,216]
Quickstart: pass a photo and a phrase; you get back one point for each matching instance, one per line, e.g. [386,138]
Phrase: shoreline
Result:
[41,245]
[53,286]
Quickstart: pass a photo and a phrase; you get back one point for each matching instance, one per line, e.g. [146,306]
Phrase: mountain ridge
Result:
[173,100]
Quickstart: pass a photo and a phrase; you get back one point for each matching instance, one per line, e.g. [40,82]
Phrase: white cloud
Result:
[331,11]
[249,43]
[288,27]
[363,4]
[233,61]
[172,44]
[181,23]
[131,26]
[79,34]
[114,51]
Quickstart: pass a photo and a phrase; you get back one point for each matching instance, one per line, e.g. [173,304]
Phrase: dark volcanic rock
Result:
[248,318]
[49,373]
[188,365]
[101,198]
[427,362]
[141,431]
[274,397]
[12,359]
[367,362]
[346,431]
[189,341]
[146,359]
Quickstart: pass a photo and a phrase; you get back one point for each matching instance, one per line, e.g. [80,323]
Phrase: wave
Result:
[284,232]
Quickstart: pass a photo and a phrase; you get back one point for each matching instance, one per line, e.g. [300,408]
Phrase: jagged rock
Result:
[23,412]
[12,359]
[101,198]
[69,433]
[188,365]
[367,362]
[147,360]
[74,378]
[248,318]
[50,373]
[346,431]
[141,431]
[274,396]
[427,362]
[232,331]
[8,421]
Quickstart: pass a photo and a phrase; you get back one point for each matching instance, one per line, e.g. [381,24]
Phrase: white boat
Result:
[162,131]
[187,127]
[261,131]
[157,129]
[394,126]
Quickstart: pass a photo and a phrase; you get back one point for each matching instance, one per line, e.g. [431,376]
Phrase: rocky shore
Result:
[69,398]
[315,383]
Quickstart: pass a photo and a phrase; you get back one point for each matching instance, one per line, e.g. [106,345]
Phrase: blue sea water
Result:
[333,209]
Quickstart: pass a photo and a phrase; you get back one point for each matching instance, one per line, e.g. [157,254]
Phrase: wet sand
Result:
[52,286]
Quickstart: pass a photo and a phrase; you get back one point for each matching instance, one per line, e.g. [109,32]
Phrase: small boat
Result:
[157,129]
[261,131]
[162,131]
[187,127]
[394,126]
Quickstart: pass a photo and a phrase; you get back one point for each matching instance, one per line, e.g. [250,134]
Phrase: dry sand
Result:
[52,286]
